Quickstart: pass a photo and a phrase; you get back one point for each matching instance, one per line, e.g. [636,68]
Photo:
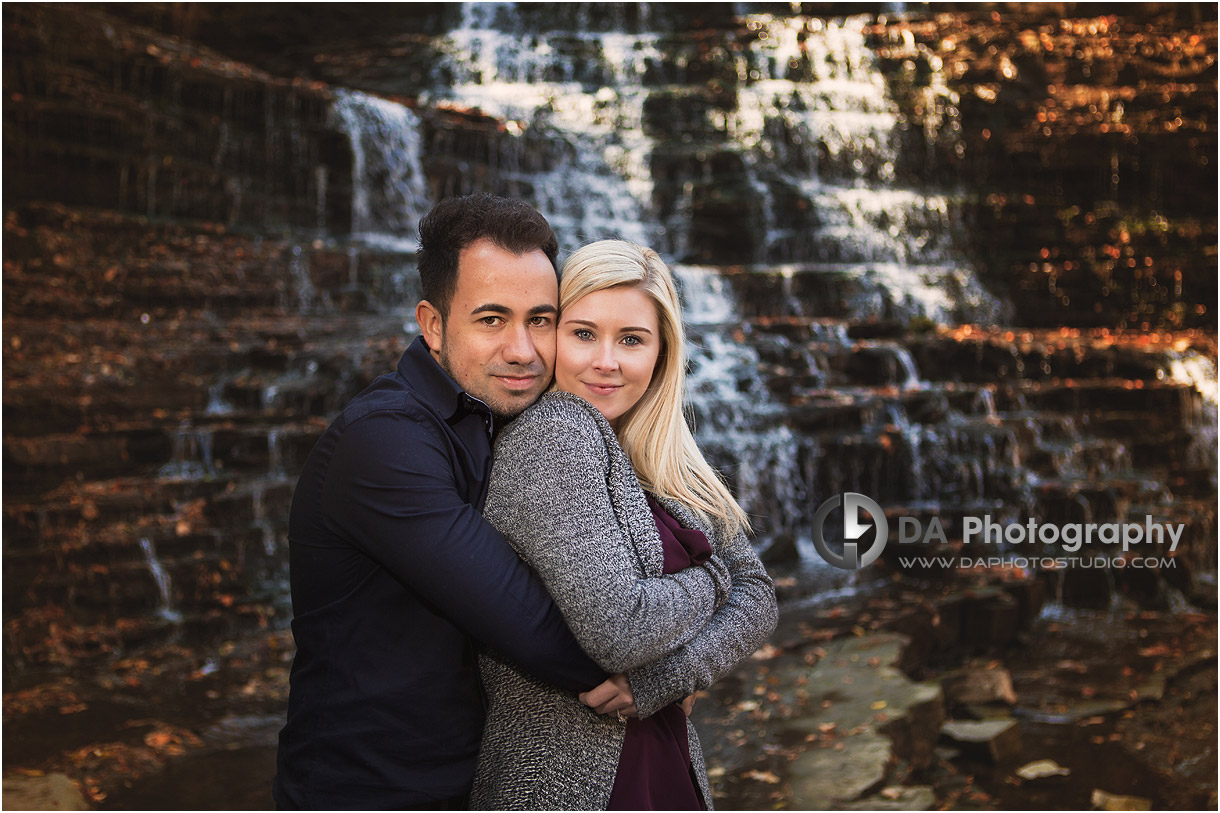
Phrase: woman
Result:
[566,490]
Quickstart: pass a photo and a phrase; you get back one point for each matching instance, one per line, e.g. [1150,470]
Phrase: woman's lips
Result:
[603,389]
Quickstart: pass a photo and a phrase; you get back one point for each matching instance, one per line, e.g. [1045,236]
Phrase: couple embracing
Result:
[517,629]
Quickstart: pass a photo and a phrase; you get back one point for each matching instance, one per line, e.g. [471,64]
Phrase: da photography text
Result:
[1071,536]
[861,534]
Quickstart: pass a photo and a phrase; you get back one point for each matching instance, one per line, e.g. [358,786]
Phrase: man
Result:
[396,578]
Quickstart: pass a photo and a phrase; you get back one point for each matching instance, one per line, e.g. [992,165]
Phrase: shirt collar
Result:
[437,390]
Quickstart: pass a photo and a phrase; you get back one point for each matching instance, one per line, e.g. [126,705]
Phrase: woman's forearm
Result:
[735,630]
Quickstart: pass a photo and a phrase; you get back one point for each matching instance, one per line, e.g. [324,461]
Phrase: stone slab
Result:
[54,791]
[822,776]
[999,740]
[914,797]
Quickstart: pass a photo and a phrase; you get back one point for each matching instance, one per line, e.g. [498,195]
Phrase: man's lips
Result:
[523,382]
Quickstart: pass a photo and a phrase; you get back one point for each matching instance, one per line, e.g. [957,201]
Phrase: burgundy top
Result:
[654,770]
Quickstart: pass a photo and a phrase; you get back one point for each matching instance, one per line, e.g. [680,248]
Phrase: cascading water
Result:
[389,194]
[192,456]
[584,91]
[737,425]
[1191,367]
[809,119]
[166,608]
[815,107]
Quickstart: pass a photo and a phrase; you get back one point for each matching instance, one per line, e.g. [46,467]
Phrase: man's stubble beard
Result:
[497,409]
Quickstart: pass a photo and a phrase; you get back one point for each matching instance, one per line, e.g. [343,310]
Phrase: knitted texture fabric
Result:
[567,498]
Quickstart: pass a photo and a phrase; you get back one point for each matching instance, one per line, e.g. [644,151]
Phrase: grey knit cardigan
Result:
[564,493]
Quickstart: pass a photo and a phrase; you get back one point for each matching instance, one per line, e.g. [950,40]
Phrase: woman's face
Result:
[607,348]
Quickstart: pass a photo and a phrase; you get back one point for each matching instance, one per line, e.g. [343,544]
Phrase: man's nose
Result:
[519,346]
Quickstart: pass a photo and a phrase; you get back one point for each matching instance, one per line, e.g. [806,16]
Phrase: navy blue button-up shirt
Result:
[396,577]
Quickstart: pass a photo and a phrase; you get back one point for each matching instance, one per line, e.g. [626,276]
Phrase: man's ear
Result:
[431,324]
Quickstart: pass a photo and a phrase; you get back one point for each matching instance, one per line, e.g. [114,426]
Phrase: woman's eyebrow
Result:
[587,323]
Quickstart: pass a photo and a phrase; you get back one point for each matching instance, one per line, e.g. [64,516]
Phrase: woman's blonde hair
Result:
[654,433]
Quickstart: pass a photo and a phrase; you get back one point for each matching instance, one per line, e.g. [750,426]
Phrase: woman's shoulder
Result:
[558,416]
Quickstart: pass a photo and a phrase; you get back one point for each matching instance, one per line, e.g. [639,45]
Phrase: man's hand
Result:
[611,696]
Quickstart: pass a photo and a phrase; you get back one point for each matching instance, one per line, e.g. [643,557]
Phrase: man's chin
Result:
[505,408]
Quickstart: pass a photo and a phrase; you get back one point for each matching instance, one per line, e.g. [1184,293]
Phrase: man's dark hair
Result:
[455,223]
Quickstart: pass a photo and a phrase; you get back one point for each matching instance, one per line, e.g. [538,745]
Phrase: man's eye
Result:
[491,321]
[540,321]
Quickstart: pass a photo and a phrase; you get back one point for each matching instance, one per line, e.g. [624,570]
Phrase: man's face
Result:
[498,342]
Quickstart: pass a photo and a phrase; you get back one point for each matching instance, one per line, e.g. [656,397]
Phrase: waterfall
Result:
[815,105]
[303,291]
[737,424]
[262,522]
[389,193]
[1198,370]
[192,455]
[803,113]
[275,453]
[583,92]
[161,577]
[217,405]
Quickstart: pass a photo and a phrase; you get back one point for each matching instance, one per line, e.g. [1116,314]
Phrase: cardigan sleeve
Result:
[736,629]
[550,496]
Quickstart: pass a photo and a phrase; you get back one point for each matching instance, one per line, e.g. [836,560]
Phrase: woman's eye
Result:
[631,340]
[583,334]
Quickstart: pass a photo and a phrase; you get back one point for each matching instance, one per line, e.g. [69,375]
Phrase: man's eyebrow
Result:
[628,329]
[504,310]
[491,307]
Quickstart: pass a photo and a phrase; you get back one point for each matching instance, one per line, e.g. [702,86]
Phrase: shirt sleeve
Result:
[550,496]
[392,492]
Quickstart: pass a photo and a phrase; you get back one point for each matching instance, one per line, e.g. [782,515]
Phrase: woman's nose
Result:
[605,359]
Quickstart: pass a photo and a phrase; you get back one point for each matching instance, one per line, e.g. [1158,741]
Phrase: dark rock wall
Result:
[1089,135]
[163,383]
[100,113]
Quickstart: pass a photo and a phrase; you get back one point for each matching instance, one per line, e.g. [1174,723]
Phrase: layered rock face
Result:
[1091,141]
[100,114]
[204,260]
[1069,155]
